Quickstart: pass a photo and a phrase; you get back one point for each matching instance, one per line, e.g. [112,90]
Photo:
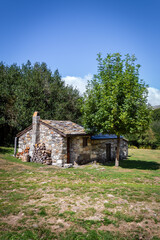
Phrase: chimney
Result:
[35,131]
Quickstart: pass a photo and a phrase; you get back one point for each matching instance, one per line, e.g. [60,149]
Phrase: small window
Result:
[85,142]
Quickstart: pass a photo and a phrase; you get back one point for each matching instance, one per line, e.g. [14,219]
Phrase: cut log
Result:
[41,154]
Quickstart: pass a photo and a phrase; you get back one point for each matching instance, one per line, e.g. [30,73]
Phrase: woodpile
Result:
[41,154]
[24,155]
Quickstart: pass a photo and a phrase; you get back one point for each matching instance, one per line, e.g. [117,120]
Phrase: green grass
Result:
[88,202]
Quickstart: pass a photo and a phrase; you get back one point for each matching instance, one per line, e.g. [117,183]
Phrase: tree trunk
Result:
[117,152]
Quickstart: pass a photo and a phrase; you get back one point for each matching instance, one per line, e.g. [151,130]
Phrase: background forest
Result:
[151,137]
[30,88]
[26,89]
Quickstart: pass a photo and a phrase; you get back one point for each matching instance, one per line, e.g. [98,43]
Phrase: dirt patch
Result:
[13,219]
[143,229]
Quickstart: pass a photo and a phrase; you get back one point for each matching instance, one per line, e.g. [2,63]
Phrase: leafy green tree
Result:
[8,80]
[147,139]
[156,114]
[116,100]
[156,129]
[45,92]
[30,88]
[64,101]
[155,125]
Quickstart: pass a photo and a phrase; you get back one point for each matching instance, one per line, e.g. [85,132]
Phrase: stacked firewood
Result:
[24,155]
[41,154]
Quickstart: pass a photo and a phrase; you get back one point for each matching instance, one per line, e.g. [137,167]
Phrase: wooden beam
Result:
[24,131]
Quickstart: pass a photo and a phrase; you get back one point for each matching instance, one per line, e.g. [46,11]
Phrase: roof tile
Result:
[66,127]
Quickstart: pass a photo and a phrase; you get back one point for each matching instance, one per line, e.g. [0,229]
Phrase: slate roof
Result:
[65,127]
[68,128]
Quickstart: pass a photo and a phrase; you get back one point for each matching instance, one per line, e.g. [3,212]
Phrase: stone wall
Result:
[54,142]
[25,141]
[95,149]
[99,149]
[77,150]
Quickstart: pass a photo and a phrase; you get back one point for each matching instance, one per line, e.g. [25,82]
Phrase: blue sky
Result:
[68,35]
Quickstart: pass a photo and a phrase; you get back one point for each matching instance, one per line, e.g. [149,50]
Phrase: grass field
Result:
[85,203]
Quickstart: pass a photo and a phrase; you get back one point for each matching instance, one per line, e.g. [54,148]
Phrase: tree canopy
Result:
[149,138]
[155,125]
[33,87]
[116,99]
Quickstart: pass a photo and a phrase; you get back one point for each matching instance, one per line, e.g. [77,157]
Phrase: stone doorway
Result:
[108,152]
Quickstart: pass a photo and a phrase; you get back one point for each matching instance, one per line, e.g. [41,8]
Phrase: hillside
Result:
[156,107]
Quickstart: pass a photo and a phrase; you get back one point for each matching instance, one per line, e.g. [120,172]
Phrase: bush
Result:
[132,147]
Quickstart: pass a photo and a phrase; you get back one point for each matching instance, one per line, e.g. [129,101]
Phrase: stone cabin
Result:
[68,142]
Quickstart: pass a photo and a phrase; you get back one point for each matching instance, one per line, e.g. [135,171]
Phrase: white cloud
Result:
[81,83]
[78,82]
[153,96]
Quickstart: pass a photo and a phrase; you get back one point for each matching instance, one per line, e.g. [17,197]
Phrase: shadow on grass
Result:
[5,150]
[138,164]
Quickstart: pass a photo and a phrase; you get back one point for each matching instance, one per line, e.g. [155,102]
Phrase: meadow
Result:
[90,202]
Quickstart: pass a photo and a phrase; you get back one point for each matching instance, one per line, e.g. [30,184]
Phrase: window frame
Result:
[85,142]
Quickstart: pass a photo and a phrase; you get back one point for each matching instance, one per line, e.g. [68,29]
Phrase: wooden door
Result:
[108,152]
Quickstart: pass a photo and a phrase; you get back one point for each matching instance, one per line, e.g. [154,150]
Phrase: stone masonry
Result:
[96,149]
[68,142]
[56,143]
[25,141]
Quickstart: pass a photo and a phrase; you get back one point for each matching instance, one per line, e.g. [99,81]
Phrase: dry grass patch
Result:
[88,202]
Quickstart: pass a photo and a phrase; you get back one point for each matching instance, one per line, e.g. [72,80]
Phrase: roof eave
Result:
[24,131]
[77,134]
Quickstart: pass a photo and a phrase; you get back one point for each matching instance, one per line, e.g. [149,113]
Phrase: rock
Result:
[68,165]
[35,225]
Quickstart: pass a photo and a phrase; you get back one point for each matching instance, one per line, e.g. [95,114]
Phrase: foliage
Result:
[146,139]
[151,137]
[28,88]
[156,114]
[156,129]
[155,125]
[116,100]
